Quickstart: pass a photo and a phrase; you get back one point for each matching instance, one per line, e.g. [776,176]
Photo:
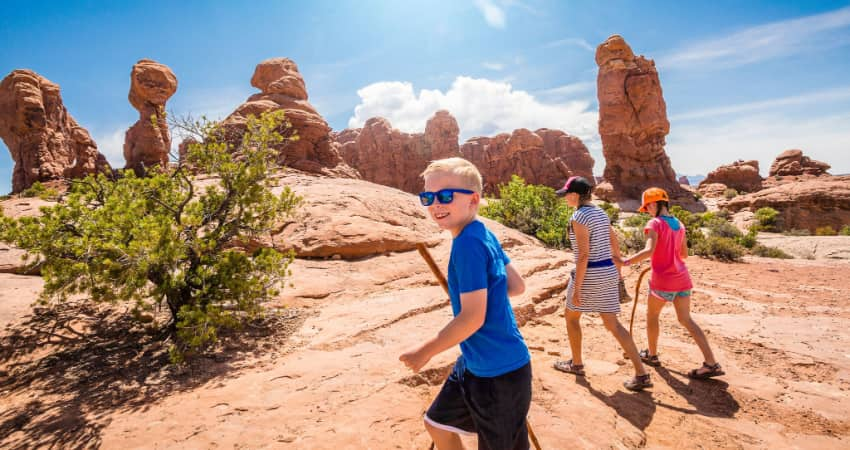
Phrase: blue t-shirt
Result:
[478,262]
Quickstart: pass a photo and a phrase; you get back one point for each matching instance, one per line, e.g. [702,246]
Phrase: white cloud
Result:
[493,15]
[828,95]
[699,147]
[481,107]
[493,66]
[578,42]
[767,41]
[111,145]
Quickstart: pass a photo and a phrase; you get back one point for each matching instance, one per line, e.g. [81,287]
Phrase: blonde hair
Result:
[457,166]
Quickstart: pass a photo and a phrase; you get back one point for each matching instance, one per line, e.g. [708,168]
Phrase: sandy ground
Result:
[330,379]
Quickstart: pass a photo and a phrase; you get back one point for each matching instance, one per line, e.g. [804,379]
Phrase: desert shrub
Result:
[535,210]
[718,227]
[797,232]
[730,193]
[160,241]
[766,218]
[5,197]
[631,241]
[748,240]
[845,230]
[769,252]
[41,191]
[637,221]
[825,231]
[612,211]
[721,248]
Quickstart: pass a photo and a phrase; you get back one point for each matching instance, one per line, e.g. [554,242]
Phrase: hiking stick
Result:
[426,255]
[637,295]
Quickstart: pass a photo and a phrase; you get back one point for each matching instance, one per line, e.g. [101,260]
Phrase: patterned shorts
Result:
[670,296]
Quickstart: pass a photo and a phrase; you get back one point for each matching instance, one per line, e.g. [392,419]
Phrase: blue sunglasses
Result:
[444,196]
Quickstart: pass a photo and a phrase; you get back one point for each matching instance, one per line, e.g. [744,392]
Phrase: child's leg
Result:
[444,440]
[653,311]
[573,319]
[683,312]
[625,339]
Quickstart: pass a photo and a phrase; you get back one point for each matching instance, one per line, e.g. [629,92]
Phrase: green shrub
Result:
[612,211]
[769,252]
[825,231]
[637,221]
[532,209]
[718,227]
[5,197]
[797,232]
[748,240]
[163,243]
[845,231]
[721,248]
[766,218]
[631,241]
[730,193]
[41,191]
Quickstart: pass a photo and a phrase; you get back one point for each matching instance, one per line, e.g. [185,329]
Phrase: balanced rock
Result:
[283,89]
[45,142]
[148,142]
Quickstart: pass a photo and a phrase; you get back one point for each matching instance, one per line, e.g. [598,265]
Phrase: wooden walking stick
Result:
[426,255]
[637,295]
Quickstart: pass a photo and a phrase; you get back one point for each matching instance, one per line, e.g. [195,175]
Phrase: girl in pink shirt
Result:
[670,281]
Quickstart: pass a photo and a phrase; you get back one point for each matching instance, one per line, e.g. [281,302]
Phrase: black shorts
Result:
[495,408]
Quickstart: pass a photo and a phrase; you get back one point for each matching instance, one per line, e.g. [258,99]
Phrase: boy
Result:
[489,389]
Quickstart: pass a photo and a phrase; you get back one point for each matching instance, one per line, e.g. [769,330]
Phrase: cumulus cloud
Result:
[481,107]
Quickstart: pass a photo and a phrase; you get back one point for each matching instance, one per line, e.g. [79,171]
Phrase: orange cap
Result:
[652,195]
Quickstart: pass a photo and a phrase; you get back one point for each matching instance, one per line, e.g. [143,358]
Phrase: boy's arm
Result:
[473,310]
[516,286]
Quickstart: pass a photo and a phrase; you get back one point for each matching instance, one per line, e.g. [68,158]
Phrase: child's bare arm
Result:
[684,251]
[516,285]
[651,240]
[473,310]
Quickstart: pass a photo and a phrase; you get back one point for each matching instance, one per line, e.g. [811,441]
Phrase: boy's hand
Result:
[576,296]
[415,359]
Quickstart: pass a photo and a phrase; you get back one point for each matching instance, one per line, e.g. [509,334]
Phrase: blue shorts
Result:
[494,408]
[670,296]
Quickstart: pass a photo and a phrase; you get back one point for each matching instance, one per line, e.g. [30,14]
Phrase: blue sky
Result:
[741,79]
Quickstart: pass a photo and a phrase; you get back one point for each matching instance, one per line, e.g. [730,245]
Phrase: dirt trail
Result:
[778,327]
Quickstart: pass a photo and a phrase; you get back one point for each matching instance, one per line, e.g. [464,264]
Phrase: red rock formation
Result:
[544,157]
[384,155]
[388,156]
[743,176]
[46,143]
[283,89]
[148,141]
[804,204]
[632,123]
[793,163]
[683,180]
